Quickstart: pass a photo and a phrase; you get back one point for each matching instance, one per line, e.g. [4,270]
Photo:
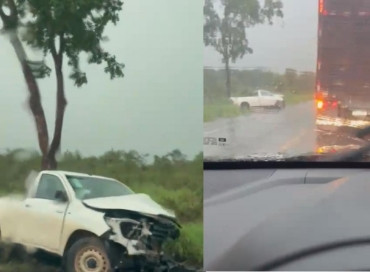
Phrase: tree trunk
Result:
[34,98]
[60,109]
[10,24]
[226,41]
[228,79]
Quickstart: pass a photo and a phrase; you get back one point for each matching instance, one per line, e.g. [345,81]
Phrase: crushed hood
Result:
[141,203]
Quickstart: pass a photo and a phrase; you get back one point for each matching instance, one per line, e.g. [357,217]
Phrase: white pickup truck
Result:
[96,224]
[260,99]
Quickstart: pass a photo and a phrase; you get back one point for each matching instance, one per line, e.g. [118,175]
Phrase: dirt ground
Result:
[16,259]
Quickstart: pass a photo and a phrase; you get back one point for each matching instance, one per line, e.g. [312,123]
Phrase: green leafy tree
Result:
[225,27]
[176,156]
[64,29]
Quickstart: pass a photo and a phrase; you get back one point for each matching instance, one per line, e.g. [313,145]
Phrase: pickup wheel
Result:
[280,105]
[244,106]
[88,255]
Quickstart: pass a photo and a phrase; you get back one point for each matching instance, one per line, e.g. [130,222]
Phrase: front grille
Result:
[164,231]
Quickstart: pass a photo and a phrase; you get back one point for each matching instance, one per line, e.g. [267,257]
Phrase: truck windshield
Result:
[91,187]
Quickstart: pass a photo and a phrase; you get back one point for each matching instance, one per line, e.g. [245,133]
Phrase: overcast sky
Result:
[290,43]
[156,108]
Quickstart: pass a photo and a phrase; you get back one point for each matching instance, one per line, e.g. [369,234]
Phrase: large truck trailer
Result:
[343,60]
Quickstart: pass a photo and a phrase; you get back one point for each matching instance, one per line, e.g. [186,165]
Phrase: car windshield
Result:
[91,187]
[266,93]
[309,62]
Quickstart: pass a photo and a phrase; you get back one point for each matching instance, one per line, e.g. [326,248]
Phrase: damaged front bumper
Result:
[139,239]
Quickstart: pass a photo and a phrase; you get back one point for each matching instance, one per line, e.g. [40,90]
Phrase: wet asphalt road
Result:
[264,132]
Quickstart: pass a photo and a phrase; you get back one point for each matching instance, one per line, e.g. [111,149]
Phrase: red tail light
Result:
[319,96]
[321,6]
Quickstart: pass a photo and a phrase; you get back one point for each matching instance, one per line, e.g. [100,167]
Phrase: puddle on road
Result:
[338,122]
[337,135]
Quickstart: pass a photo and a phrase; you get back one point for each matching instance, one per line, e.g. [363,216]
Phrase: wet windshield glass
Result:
[291,83]
[90,187]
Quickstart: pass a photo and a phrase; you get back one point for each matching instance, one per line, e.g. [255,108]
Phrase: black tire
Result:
[339,112]
[280,105]
[244,107]
[87,255]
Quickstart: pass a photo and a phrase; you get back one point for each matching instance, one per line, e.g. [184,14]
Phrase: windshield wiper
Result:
[305,157]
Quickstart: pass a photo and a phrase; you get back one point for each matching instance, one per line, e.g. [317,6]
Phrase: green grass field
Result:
[222,109]
[173,181]
[292,99]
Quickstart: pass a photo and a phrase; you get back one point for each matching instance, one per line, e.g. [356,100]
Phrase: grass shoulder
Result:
[296,98]
[220,109]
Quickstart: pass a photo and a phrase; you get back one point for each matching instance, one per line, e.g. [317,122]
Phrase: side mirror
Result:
[61,196]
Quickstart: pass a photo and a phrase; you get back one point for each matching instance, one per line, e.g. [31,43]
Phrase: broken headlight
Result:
[129,228]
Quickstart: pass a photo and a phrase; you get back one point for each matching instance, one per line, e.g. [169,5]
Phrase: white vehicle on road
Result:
[96,224]
[260,99]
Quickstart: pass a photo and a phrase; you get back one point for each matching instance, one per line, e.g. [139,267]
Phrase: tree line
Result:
[173,170]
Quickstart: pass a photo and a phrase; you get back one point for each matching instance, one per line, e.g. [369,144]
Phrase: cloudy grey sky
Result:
[156,108]
[290,43]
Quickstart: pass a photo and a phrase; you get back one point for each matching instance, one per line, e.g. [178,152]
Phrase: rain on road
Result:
[263,133]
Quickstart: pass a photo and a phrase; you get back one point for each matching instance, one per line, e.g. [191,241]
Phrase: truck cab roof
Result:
[69,173]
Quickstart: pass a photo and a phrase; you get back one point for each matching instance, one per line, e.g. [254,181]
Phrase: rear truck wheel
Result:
[339,112]
[244,106]
[344,113]
[280,105]
[88,255]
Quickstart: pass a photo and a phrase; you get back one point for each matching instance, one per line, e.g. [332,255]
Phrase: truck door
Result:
[44,215]
[254,99]
[267,99]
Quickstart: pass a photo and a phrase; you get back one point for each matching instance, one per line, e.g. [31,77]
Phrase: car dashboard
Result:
[287,219]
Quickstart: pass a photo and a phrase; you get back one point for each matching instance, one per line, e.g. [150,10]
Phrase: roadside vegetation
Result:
[292,99]
[296,87]
[220,109]
[172,180]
